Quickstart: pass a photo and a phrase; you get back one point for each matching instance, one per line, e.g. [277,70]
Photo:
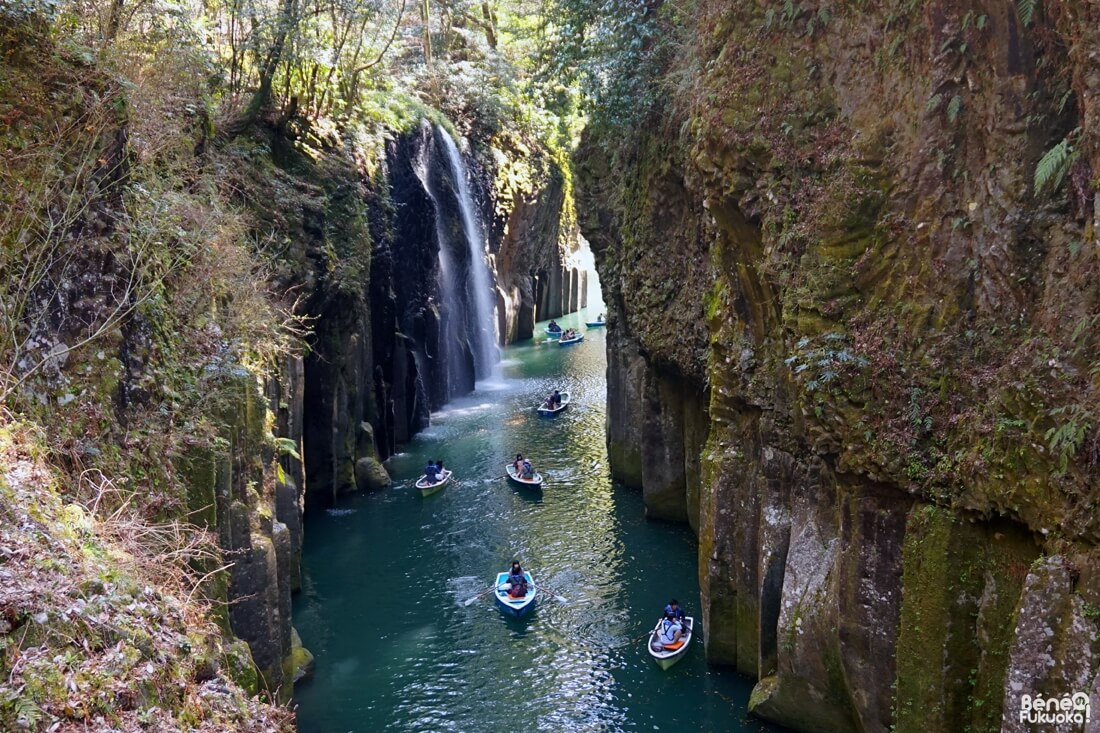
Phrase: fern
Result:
[790,12]
[954,107]
[27,713]
[1065,98]
[1066,438]
[1026,9]
[286,446]
[1054,165]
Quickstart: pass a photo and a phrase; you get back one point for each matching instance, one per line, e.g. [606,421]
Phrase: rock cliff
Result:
[877,404]
[214,328]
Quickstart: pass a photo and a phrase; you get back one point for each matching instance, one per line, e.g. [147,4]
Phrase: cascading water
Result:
[482,321]
[457,375]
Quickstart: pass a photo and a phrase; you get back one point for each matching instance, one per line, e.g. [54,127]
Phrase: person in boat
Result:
[439,467]
[517,581]
[668,633]
[431,471]
[555,399]
[518,464]
[528,471]
[600,319]
[553,326]
[673,610]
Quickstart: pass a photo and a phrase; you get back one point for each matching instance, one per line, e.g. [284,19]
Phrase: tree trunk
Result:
[426,38]
[490,25]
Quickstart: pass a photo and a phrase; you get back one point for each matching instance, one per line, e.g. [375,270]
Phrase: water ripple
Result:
[386,578]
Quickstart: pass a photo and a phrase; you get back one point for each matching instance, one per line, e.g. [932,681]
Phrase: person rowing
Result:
[668,633]
[517,581]
[553,327]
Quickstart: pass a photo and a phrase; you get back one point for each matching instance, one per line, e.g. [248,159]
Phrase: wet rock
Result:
[370,475]
[300,663]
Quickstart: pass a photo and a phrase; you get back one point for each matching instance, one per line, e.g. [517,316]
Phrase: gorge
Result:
[849,258]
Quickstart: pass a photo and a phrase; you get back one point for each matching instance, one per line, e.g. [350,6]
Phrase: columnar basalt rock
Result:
[883,334]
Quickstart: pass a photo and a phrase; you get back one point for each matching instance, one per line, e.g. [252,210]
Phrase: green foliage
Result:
[1065,438]
[287,447]
[1055,163]
[1026,9]
[615,50]
[954,107]
[920,422]
[826,363]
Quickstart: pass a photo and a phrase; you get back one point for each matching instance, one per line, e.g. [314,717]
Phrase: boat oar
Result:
[544,589]
[468,601]
[635,640]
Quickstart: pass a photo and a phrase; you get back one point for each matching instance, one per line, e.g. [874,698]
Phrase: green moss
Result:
[960,586]
[240,668]
[197,469]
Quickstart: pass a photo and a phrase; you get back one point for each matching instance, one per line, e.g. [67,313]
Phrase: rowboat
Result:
[554,334]
[533,483]
[595,324]
[515,606]
[551,411]
[427,488]
[569,342]
[666,656]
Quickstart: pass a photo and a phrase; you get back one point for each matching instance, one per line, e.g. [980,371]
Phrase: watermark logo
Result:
[1073,709]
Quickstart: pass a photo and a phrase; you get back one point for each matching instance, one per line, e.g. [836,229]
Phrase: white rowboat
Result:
[428,487]
[531,483]
[550,411]
[666,656]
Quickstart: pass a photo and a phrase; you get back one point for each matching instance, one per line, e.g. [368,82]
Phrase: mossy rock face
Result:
[300,662]
[371,475]
[961,583]
[239,666]
[198,468]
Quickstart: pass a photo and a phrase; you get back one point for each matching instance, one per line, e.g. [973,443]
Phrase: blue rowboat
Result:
[551,411]
[515,606]
[595,324]
[554,334]
[569,342]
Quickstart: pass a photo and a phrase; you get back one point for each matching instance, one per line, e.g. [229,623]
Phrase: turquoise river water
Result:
[385,576]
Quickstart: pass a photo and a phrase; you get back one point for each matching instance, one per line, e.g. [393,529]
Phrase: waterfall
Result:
[481,319]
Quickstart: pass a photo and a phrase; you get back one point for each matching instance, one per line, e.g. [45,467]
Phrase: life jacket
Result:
[667,631]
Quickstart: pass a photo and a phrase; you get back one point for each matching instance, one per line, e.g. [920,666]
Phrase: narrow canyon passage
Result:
[385,576]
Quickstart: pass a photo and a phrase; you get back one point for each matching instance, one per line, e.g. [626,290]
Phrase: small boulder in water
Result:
[370,475]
